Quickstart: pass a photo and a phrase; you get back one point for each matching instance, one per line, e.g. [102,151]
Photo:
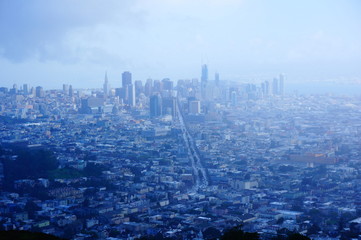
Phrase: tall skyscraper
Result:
[65,89]
[267,92]
[234,98]
[26,89]
[126,79]
[128,89]
[167,84]
[275,86]
[157,86]
[204,77]
[204,80]
[138,87]
[148,88]
[169,106]
[216,79]
[155,105]
[39,92]
[14,90]
[131,95]
[106,87]
[71,92]
[281,85]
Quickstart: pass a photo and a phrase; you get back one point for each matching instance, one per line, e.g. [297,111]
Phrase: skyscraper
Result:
[131,95]
[204,80]
[275,86]
[167,84]
[281,85]
[234,98]
[138,87]
[106,87]
[148,88]
[169,106]
[216,79]
[157,86]
[126,79]
[71,92]
[267,92]
[65,89]
[128,89]
[194,107]
[204,77]
[155,105]
[26,89]
[39,92]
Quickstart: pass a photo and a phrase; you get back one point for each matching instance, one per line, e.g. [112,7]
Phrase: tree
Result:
[237,233]
[93,170]
[314,229]
[31,164]
[297,236]
[31,208]
[211,233]
[15,234]
[286,168]
[280,220]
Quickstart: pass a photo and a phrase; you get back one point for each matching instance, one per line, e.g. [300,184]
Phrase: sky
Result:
[48,43]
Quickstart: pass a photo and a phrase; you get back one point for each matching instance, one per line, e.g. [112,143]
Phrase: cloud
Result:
[158,38]
[38,27]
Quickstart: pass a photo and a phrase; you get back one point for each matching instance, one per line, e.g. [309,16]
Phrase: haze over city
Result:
[48,43]
[180,119]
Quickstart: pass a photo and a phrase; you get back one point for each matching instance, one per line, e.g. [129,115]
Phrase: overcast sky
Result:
[49,43]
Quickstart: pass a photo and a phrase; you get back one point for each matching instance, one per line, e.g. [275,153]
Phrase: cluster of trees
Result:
[25,163]
[29,164]
[26,235]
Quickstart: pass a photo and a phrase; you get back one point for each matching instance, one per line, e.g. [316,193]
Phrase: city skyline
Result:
[48,45]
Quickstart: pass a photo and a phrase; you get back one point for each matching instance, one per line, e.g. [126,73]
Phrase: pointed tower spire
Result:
[106,77]
[106,87]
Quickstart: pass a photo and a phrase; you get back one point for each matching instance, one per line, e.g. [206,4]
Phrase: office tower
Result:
[234,98]
[216,79]
[167,84]
[267,88]
[106,87]
[275,86]
[14,89]
[169,106]
[126,79]
[195,82]
[281,85]
[157,86]
[91,105]
[118,92]
[195,107]
[65,89]
[138,87]
[167,88]
[26,89]
[155,105]
[148,88]
[4,90]
[128,89]
[71,92]
[263,89]
[39,92]
[204,80]
[130,95]
[204,77]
